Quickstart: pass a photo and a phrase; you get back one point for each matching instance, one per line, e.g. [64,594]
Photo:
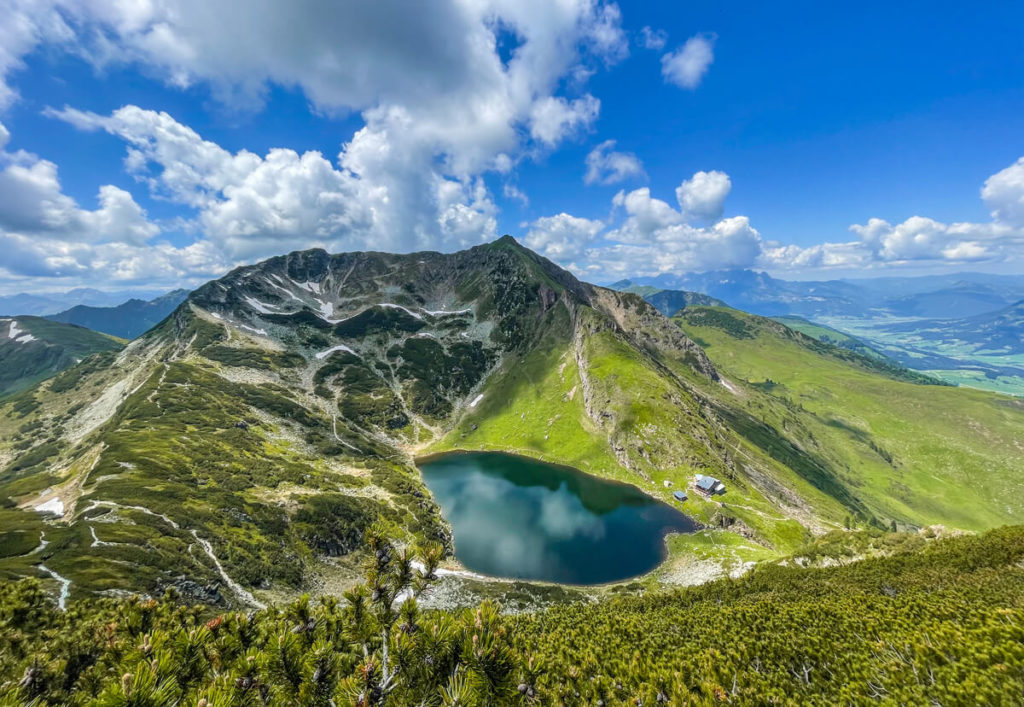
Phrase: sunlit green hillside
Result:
[915,453]
[239,451]
[33,348]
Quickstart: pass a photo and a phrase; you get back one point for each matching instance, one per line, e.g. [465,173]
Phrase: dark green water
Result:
[517,517]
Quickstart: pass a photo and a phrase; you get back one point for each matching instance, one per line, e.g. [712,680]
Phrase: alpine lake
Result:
[520,518]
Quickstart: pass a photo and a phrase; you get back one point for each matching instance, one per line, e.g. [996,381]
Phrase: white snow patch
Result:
[215,315]
[442,312]
[261,307]
[285,290]
[326,310]
[340,347]
[729,386]
[17,335]
[476,400]
[309,286]
[334,429]
[343,319]
[404,309]
[54,505]
[261,332]
[323,305]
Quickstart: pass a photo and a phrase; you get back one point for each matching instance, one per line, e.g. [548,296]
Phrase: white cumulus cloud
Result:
[703,196]
[686,66]
[379,196]
[922,240]
[433,65]
[563,237]
[605,165]
[649,236]
[1003,193]
[32,203]
[441,107]
[24,24]
[554,118]
[45,235]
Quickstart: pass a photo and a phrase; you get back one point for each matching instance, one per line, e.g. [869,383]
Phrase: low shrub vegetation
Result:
[940,624]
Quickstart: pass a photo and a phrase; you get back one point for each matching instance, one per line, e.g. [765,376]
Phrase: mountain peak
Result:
[278,411]
[506,241]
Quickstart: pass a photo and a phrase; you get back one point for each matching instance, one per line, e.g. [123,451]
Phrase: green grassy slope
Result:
[243,446]
[917,454]
[43,348]
[181,456]
[806,434]
[246,443]
[829,335]
[599,404]
[536,408]
[668,302]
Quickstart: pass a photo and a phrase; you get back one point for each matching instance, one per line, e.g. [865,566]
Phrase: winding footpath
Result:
[65,587]
[238,589]
[231,584]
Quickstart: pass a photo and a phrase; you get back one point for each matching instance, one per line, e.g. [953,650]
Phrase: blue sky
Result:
[744,135]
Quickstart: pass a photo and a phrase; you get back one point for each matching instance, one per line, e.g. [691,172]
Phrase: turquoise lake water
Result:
[520,518]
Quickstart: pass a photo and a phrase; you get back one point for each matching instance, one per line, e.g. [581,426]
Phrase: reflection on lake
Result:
[516,517]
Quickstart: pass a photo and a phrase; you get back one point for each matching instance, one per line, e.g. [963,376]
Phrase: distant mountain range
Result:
[127,320]
[946,296]
[44,303]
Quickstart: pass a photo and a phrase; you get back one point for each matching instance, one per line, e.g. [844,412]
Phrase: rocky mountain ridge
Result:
[239,450]
[273,415]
